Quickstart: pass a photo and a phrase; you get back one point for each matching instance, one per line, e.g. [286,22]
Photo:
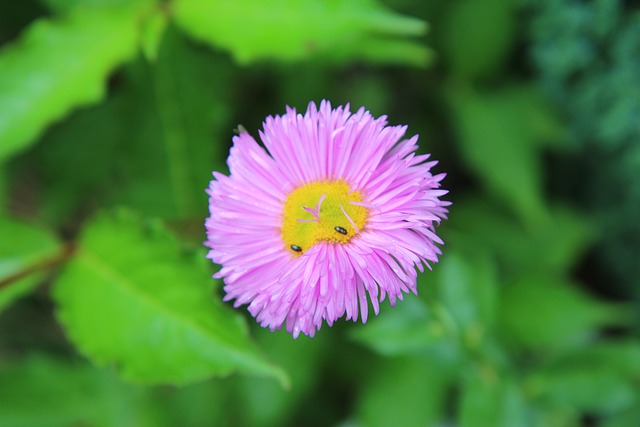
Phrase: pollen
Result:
[326,211]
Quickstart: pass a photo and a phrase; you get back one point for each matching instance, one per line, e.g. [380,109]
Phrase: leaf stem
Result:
[65,253]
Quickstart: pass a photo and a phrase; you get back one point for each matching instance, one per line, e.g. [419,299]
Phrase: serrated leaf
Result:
[298,29]
[548,312]
[25,250]
[130,298]
[58,65]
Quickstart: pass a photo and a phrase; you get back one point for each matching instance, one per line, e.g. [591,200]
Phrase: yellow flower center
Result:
[321,212]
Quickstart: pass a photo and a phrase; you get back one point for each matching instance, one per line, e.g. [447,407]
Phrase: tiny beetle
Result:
[340,230]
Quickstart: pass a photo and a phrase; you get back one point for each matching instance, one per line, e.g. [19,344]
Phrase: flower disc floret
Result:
[321,212]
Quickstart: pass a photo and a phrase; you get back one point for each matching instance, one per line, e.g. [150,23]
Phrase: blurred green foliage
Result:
[586,54]
[113,113]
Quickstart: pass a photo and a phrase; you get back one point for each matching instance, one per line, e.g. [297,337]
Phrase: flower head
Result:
[339,206]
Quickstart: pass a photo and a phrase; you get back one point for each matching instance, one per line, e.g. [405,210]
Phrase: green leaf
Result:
[548,312]
[64,6]
[298,29]
[130,298]
[25,253]
[622,419]
[266,404]
[159,134]
[379,50]
[491,399]
[175,114]
[44,392]
[408,391]
[553,246]
[4,194]
[478,36]
[499,142]
[209,403]
[70,177]
[602,378]
[467,287]
[622,356]
[152,33]
[58,65]
[461,311]
[409,328]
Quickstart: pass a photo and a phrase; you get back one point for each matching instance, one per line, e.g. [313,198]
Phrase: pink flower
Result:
[338,206]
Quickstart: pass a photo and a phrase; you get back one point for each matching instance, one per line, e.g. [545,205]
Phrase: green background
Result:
[113,113]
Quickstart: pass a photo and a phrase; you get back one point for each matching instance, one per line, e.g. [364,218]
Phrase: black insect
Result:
[296,248]
[340,230]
